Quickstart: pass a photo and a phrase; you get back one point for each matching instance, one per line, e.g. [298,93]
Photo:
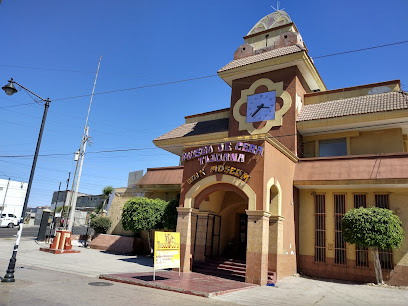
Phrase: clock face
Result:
[261,107]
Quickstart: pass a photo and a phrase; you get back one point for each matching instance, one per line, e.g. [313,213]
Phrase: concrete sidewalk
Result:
[37,286]
[68,275]
[305,291]
[88,262]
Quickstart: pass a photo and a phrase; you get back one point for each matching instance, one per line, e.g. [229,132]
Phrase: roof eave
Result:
[300,59]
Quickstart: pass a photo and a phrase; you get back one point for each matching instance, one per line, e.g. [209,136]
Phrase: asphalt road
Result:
[31,231]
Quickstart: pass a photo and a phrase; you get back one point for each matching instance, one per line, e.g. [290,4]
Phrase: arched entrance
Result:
[221,227]
[224,196]
[217,209]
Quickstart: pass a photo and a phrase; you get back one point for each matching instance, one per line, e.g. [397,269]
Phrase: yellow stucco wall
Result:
[368,142]
[380,141]
[119,200]
[398,203]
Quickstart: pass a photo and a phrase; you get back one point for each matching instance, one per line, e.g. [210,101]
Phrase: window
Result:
[333,147]
[382,201]
[320,228]
[360,200]
[339,245]
[361,252]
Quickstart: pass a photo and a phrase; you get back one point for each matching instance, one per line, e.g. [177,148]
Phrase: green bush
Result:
[100,224]
[170,215]
[141,213]
[375,228]
[372,227]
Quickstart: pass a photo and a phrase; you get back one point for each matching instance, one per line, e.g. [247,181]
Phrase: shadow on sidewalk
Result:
[141,260]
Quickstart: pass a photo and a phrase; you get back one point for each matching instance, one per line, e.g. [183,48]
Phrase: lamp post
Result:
[10,89]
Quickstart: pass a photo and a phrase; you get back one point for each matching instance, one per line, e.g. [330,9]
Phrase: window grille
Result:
[361,252]
[340,245]
[360,200]
[320,228]
[385,258]
[382,201]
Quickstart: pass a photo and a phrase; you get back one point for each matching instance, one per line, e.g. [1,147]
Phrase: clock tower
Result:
[269,75]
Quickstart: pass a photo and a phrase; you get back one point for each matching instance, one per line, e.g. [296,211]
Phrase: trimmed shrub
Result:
[170,215]
[100,224]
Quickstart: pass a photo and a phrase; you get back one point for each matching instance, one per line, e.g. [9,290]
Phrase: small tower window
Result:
[266,39]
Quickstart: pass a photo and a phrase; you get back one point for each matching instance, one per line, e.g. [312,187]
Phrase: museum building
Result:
[267,180]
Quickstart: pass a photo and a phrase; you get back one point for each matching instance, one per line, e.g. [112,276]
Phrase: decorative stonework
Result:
[280,93]
[212,180]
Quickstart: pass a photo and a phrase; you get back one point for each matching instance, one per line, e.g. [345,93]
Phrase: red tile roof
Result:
[354,106]
[162,176]
[262,57]
[197,128]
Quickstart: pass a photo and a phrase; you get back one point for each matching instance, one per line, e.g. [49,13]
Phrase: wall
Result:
[358,143]
[397,198]
[282,259]
[13,201]
[289,77]
[380,141]
[119,199]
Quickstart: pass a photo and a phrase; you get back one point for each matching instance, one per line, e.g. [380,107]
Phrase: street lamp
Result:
[10,89]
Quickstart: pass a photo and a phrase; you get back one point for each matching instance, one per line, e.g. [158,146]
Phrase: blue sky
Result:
[53,47]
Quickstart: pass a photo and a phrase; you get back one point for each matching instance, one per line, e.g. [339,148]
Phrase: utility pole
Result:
[66,195]
[5,195]
[55,208]
[80,161]
[75,195]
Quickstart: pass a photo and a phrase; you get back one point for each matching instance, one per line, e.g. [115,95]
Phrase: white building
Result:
[12,195]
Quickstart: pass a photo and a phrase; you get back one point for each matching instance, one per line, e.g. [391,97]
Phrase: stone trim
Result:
[260,213]
[186,210]
[212,180]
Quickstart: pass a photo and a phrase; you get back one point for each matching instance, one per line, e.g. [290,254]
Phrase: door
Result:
[242,244]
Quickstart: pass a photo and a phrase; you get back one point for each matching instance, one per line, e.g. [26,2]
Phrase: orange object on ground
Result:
[61,243]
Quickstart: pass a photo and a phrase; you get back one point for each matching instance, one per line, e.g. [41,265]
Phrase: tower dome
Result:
[270,21]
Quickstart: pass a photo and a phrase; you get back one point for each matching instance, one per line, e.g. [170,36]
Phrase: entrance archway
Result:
[221,226]
[221,223]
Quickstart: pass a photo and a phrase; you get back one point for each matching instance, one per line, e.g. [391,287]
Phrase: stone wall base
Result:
[398,276]
[119,244]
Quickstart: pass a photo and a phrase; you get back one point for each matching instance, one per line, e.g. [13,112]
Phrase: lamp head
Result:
[9,89]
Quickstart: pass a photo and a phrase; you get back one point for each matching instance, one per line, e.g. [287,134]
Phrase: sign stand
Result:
[166,251]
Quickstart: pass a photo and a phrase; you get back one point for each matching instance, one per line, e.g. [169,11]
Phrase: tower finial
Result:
[277,7]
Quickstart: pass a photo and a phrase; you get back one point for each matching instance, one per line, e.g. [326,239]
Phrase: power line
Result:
[83,71]
[215,75]
[94,152]
[138,87]
[175,146]
[363,49]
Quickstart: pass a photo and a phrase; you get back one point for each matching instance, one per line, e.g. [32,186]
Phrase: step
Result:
[221,273]
[227,268]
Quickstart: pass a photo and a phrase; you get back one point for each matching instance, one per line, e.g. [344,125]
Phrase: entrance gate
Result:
[212,236]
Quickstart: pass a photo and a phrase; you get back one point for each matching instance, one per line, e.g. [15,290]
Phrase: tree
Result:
[59,209]
[141,213]
[106,192]
[170,215]
[373,228]
[100,224]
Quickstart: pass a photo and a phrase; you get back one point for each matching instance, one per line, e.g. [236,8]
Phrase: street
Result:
[28,231]
[72,279]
